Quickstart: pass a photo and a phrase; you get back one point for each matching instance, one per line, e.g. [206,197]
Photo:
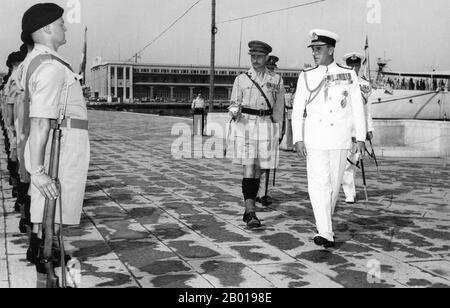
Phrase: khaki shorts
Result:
[73,169]
[255,145]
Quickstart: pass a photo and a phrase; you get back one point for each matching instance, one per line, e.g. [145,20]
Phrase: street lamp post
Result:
[213,55]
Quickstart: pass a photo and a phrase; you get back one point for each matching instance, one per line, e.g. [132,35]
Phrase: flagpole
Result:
[84,60]
[368,58]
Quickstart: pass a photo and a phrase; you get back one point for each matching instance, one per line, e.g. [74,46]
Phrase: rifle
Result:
[50,208]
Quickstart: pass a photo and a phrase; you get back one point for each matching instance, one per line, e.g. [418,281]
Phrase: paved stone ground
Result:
[154,221]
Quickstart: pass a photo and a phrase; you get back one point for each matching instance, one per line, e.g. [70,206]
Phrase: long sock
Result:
[250,189]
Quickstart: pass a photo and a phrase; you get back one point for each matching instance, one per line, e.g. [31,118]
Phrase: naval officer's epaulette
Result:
[310,69]
[344,67]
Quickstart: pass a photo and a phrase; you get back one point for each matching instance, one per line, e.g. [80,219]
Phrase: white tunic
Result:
[332,98]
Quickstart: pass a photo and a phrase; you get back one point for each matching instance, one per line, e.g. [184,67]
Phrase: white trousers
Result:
[348,181]
[325,171]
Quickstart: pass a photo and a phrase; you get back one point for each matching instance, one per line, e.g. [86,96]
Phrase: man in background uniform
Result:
[199,109]
[52,87]
[264,197]
[327,102]
[287,143]
[11,95]
[15,100]
[354,61]
[257,107]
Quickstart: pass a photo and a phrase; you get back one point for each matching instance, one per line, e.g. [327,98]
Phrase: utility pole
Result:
[240,43]
[213,56]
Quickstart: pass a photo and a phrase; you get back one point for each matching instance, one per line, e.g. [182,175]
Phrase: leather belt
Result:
[289,108]
[72,124]
[260,113]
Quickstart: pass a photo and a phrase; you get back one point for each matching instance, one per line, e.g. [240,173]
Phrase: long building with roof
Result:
[129,82]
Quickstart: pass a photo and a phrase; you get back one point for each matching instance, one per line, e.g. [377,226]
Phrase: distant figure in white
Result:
[199,108]
[354,61]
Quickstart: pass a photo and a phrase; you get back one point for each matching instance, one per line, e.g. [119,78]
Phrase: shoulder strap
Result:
[34,65]
[260,90]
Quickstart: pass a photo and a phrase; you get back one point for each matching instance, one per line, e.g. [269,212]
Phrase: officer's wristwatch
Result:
[39,171]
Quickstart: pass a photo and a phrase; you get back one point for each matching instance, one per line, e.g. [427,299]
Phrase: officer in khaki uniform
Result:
[257,107]
[52,87]
[327,105]
[354,60]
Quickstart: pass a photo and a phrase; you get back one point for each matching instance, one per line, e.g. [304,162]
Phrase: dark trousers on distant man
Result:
[199,122]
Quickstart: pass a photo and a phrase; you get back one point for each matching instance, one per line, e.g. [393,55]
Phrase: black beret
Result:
[37,17]
[259,48]
[15,57]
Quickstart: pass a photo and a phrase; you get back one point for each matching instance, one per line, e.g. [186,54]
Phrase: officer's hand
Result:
[301,149]
[369,136]
[46,186]
[361,148]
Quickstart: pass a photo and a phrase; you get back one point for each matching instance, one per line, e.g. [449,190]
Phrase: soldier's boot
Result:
[250,189]
[250,217]
[33,249]
[15,183]
[25,221]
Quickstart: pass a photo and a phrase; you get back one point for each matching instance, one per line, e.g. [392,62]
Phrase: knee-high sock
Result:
[250,188]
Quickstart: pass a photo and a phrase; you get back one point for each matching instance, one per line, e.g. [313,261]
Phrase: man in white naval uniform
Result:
[327,105]
[354,60]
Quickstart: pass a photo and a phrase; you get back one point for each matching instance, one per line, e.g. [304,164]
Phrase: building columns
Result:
[124,83]
[152,92]
[171,92]
[230,90]
[191,93]
[108,84]
[115,81]
[131,85]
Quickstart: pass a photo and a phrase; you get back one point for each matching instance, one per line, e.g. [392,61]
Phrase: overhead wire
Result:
[271,12]
[166,30]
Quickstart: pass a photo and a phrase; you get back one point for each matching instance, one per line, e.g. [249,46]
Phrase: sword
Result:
[364,178]
[267,183]
[373,155]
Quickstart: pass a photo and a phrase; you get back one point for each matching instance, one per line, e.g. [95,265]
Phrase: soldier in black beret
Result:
[54,85]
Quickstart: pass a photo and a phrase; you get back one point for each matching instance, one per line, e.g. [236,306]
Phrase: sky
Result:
[413,34]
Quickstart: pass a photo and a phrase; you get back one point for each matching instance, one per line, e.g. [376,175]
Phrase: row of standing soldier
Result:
[329,116]
[45,115]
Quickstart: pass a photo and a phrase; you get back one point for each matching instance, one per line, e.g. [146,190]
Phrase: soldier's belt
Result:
[72,123]
[289,108]
[260,113]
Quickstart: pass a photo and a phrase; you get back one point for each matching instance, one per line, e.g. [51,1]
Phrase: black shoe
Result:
[251,220]
[246,217]
[55,258]
[321,241]
[14,192]
[24,224]
[266,201]
[33,250]
[17,207]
